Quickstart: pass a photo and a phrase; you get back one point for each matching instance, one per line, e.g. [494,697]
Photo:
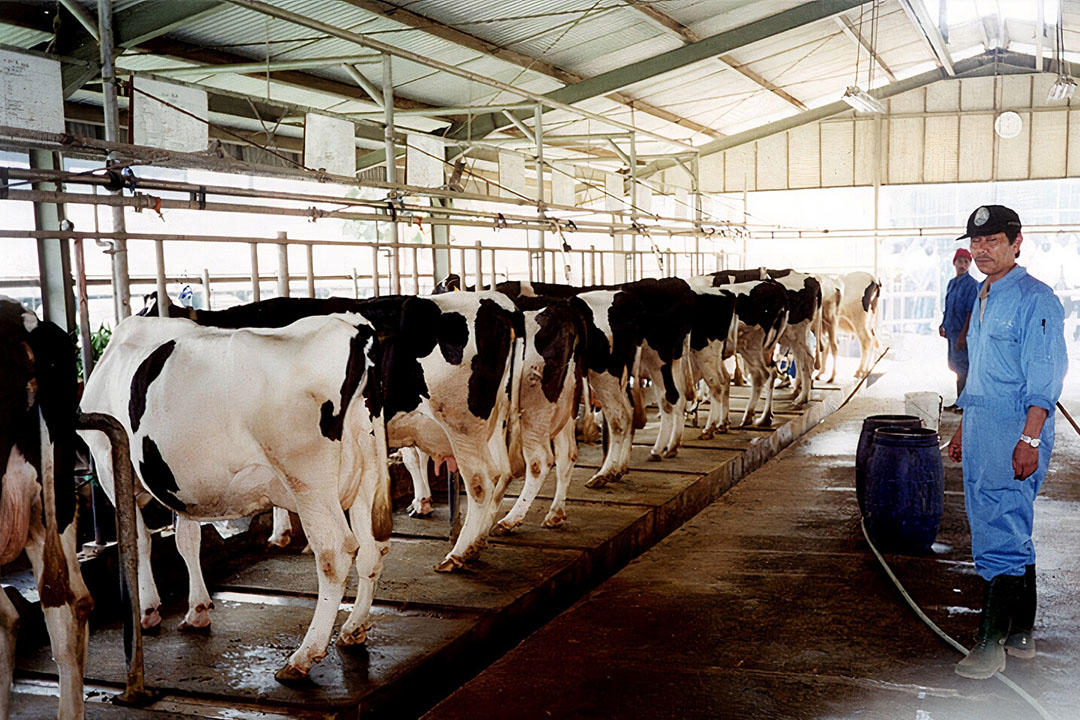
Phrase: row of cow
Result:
[293,403]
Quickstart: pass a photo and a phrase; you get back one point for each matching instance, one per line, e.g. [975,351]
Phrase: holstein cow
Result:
[226,423]
[804,315]
[832,296]
[445,370]
[37,494]
[747,318]
[857,314]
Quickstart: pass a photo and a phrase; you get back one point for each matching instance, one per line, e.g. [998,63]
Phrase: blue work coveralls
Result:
[959,297]
[1018,360]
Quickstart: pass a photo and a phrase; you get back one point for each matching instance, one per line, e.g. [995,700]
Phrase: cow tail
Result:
[513,426]
[637,399]
[818,322]
[382,505]
[872,319]
[54,585]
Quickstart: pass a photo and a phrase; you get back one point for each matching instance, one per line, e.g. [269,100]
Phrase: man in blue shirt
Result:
[1016,346]
[959,297]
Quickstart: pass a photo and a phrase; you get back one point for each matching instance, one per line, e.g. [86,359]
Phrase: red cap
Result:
[961,253]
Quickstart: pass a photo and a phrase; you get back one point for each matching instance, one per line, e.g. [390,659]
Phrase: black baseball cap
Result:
[990,220]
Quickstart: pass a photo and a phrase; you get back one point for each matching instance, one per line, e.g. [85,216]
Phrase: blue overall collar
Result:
[1010,278]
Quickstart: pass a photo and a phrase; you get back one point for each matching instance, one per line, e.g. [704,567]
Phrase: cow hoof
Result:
[450,563]
[706,435]
[597,481]
[353,639]
[279,542]
[194,627]
[554,520]
[502,529]
[653,457]
[671,453]
[420,514]
[290,674]
[150,619]
[765,421]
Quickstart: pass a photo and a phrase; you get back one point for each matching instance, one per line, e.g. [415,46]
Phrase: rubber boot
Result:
[1021,644]
[988,655]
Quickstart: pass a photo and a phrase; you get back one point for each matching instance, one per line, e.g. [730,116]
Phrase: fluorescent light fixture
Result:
[1062,89]
[862,101]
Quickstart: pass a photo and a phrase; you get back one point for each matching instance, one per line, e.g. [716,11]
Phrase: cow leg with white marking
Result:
[710,363]
[283,529]
[565,457]
[188,542]
[415,461]
[617,414]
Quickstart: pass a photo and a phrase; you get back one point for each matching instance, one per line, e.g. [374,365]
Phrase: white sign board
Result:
[330,144]
[613,187]
[512,175]
[424,166]
[161,126]
[563,184]
[31,95]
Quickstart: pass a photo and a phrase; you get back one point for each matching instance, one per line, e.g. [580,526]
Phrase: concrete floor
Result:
[769,604]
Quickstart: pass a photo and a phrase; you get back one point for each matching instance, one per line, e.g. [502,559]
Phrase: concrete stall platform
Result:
[770,604]
[432,631]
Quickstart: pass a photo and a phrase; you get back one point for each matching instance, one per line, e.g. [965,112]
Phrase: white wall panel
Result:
[941,161]
[804,157]
[905,150]
[976,147]
[711,171]
[1072,167]
[943,96]
[1015,91]
[913,101]
[977,94]
[837,153]
[772,162]
[1048,137]
[865,149]
[1040,88]
[739,168]
[1012,161]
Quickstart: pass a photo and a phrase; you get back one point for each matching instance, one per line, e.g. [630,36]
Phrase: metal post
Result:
[461,267]
[86,349]
[162,294]
[538,132]
[395,268]
[440,235]
[478,271]
[121,281]
[634,214]
[416,271]
[494,277]
[206,289]
[283,264]
[592,265]
[54,257]
[388,118]
[355,284]
[375,271]
[310,271]
[256,291]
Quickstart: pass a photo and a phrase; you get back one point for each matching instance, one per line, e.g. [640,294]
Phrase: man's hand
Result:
[1025,460]
[955,450]
[961,343]
[941,330]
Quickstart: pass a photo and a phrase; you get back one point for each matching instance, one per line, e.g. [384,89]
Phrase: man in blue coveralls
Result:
[1016,347]
[959,297]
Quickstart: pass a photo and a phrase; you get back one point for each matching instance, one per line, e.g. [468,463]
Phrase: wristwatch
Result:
[1033,442]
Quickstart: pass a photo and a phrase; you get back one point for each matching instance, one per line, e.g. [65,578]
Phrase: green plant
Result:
[98,340]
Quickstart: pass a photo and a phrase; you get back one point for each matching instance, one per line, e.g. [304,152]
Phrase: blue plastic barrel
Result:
[905,489]
[862,453]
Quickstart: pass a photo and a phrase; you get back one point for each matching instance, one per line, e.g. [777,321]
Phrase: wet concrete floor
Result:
[769,604]
[434,630]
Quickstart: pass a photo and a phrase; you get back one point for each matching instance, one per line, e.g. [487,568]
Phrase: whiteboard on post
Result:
[31,93]
[330,144]
[512,175]
[424,161]
[181,127]
[562,184]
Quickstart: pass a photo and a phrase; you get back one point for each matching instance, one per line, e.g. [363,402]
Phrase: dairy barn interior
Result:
[569,359]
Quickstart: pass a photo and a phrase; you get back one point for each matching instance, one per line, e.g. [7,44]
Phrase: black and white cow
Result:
[858,313]
[227,423]
[38,399]
[832,297]
[804,316]
[747,318]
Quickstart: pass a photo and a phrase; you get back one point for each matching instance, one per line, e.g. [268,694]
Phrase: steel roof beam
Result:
[920,17]
[853,34]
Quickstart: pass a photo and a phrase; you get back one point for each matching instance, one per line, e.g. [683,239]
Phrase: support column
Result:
[538,131]
[391,168]
[54,254]
[440,235]
[121,281]
[634,215]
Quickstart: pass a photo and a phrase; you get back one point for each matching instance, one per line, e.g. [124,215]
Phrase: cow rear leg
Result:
[334,545]
[538,462]
[369,566]
[65,613]
[9,630]
[283,530]
[565,457]
[479,472]
[188,542]
[415,461]
[148,592]
[617,413]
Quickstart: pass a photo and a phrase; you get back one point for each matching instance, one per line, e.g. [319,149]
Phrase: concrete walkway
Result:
[769,604]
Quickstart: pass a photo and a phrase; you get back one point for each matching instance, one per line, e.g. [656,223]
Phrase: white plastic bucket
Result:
[924,405]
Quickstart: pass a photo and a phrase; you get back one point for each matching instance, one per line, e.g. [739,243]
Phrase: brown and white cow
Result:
[832,296]
[37,494]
